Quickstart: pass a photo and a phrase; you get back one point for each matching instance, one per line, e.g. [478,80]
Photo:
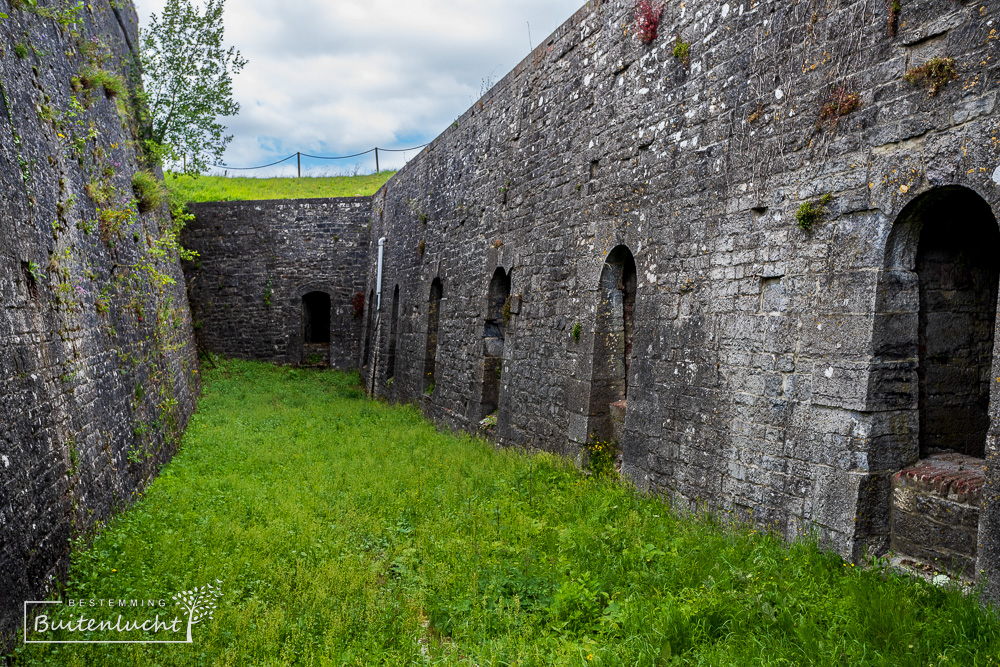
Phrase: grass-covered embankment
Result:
[350,531]
[184,189]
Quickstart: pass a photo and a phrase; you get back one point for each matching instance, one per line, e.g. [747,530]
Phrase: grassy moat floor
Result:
[348,531]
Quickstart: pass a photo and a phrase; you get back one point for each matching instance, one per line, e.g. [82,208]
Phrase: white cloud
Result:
[335,77]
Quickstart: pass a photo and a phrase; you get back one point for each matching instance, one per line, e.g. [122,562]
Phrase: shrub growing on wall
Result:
[647,20]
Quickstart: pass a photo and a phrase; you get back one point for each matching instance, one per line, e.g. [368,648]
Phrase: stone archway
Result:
[931,375]
[613,345]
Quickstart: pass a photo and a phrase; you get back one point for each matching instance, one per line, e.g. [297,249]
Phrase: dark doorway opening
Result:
[316,317]
[494,331]
[613,344]
[368,328]
[316,329]
[433,320]
[958,273]
[390,371]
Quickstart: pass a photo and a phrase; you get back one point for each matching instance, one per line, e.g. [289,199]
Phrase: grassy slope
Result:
[349,531]
[217,188]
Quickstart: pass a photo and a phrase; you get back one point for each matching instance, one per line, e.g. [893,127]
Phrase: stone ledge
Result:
[952,476]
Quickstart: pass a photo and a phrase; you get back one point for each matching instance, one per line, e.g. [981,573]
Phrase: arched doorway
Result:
[433,320]
[494,331]
[931,375]
[613,344]
[316,329]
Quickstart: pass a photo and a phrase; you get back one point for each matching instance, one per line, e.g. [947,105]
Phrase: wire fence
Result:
[298,155]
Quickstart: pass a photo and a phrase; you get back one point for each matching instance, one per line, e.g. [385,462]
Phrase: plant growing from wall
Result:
[895,7]
[576,331]
[808,214]
[149,192]
[505,312]
[646,19]
[358,304]
[488,422]
[421,246]
[933,74]
[268,292]
[840,103]
[498,243]
[682,51]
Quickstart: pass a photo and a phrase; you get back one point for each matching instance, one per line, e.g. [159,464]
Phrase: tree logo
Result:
[200,603]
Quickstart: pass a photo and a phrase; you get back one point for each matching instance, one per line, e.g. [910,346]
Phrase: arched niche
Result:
[390,362]
[433,322]
[494,332]
[933,348]
[613,329]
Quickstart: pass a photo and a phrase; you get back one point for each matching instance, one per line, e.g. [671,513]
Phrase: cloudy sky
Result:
[335,77]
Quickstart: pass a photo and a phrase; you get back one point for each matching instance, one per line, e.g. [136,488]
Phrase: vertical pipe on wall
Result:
[378,279]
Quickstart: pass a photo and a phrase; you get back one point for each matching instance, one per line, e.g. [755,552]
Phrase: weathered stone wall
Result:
[774,371]
[98,374]
[258,259]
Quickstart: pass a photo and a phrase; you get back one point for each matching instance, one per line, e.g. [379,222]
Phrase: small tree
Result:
[187,74]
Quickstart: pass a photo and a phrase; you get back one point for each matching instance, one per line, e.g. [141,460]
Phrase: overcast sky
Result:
[335,77]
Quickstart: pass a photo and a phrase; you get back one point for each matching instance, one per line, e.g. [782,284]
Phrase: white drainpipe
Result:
[378,280]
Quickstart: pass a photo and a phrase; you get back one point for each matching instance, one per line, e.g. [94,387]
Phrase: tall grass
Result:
[186,189]
[348,531]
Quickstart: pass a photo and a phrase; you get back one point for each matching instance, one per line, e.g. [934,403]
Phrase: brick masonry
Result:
[935,511]
[98,373]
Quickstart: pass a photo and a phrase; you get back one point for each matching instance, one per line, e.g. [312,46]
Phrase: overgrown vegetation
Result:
[601,456]
[682,51]
[840,103]
[933,74]
[808,214]
[149,191]
[185,188]
[895,7]
[347,531]
[646,19]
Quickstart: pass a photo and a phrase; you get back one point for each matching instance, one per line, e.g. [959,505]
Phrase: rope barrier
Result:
[300,155]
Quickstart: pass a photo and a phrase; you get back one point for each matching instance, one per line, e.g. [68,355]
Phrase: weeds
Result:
[682,51]
[895,7]
[840,103]
[149,191]
[808,214]
[933,74]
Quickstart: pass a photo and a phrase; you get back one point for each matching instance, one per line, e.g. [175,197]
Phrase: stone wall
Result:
[257,261]
[98,374]
[775,370]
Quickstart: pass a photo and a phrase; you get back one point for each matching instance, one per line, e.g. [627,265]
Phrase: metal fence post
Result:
[376,159]
[298,157]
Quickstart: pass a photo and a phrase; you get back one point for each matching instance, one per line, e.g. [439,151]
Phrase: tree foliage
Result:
[188,77]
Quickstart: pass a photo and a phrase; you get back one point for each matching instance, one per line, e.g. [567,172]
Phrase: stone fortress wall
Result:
[258,264]
[752,253]
[608,242]
[98,371]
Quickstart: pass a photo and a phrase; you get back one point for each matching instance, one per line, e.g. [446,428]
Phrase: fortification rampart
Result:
[736,263]
[98,373]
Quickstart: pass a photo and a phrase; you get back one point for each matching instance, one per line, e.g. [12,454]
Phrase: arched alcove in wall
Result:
[368,328]
[433,321]
[933,347]
[613,330]
[494,331]
[390,362]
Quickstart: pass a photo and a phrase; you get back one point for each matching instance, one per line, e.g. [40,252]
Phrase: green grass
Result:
[351,532]
[218,188]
